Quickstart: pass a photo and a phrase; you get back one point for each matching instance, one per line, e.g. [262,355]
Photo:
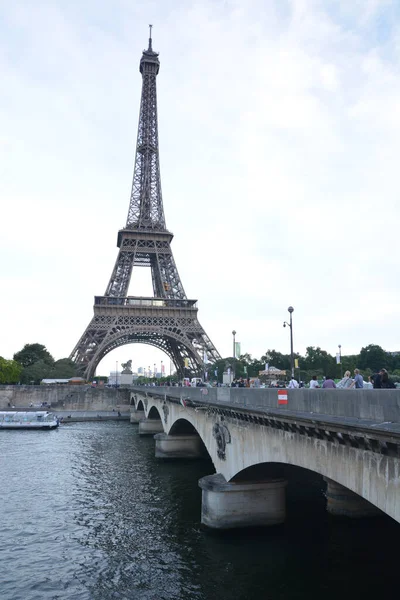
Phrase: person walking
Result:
[358,381]
[345,382]
[314,383]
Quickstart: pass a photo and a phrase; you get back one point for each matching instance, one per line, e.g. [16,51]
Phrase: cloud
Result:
[279,138]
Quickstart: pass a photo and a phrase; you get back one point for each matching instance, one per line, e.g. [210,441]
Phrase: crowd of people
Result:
[380,380]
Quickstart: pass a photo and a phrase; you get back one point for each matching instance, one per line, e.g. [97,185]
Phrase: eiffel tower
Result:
[168,319]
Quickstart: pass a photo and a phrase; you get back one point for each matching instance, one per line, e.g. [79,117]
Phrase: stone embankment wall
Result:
[65,397]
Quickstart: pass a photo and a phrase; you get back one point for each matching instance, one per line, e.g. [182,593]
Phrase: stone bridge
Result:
[350,437]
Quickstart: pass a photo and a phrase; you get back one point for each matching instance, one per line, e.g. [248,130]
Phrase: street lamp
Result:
[154,370]
[340,360]
[116,374]
[234,347]
[161,368]
[290,324]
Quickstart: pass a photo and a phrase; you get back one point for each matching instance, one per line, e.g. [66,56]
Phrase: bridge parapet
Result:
[377,406]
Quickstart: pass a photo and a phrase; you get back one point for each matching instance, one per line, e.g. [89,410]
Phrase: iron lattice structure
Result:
[168,320]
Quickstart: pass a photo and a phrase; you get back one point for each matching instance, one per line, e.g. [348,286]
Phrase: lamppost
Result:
[161,369]
[116,374]
[290,324]
[154,370]
[340,360]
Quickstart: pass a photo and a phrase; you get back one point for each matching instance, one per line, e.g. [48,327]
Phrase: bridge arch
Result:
[182,426]
[153,413]
[342,492]
[139,405]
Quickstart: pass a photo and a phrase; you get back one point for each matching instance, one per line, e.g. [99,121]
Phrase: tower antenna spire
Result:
[150,28]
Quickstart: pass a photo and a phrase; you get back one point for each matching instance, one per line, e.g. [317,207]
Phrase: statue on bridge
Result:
[126,368]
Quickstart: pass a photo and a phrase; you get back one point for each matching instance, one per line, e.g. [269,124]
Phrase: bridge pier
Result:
[343,502]
[187,445]
[230,505]
[150,426]
[137,416]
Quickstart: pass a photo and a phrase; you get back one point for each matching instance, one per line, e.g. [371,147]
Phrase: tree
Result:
[276,359]
[32,353]
[373,357]
[10,371]
[317,359]
[64,368]
[36,372]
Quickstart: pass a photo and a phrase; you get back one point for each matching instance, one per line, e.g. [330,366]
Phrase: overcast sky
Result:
[279,124]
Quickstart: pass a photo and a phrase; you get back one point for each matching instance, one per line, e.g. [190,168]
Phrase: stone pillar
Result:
[228,505]
[137,415]
[179,446]
[150,426]
[343,502]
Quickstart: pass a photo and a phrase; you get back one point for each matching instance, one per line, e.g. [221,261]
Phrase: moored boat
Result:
[39,419]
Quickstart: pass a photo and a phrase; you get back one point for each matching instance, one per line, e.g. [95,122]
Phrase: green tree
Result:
[374,357]
[10,371]
[36,372]
[319,360]
[32,353]
[276,359]
[64,368]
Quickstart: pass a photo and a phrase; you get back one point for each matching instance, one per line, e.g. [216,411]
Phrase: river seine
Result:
[88,513]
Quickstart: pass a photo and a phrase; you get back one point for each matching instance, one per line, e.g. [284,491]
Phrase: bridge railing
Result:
[369,405]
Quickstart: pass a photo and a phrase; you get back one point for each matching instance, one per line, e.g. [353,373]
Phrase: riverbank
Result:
[75,416]
[65,398]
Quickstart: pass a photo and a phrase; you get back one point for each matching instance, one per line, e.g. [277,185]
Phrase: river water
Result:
[88,513]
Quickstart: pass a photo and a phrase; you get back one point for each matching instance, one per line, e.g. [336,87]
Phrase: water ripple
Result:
[89,514]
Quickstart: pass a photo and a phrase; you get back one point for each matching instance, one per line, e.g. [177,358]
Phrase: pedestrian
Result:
[314,383]
[329,383]
[346,381]
[293,384]
[358,381]
[386,383]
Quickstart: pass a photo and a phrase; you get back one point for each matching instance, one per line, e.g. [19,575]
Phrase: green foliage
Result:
[32,353]
[10,371]
[36,372]
[374,357]
[276,359]
[64,368]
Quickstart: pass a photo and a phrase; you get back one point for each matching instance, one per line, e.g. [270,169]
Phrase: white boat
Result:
[35,419]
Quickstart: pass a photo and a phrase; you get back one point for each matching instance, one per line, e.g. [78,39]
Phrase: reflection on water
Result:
[88,513]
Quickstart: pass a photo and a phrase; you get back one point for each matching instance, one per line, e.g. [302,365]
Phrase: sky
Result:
[279,128]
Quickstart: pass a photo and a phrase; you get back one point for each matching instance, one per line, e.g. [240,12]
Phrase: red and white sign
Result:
[282,397]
